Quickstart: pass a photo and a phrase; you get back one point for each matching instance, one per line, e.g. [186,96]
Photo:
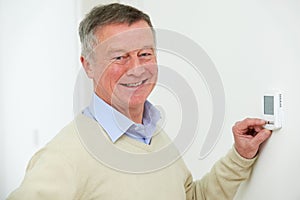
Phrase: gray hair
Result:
[103,15]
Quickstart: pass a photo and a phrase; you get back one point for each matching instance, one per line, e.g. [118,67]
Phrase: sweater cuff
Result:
[237,158]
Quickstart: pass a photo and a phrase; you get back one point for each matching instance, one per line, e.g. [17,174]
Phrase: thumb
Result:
[261,136]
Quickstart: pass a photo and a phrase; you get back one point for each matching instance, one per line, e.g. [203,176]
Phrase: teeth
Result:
[133,84]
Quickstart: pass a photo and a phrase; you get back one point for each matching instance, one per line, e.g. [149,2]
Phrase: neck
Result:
[133,113]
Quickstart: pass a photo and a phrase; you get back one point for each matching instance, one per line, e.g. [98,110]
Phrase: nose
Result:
[136,68]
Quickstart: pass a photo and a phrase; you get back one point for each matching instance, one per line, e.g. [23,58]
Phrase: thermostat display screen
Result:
[269,105]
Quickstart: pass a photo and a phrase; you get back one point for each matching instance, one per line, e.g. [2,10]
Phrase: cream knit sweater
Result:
[65,170]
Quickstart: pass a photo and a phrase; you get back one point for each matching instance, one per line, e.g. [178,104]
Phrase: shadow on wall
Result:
[83,91]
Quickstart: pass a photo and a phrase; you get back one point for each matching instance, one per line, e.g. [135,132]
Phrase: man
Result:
[118,54]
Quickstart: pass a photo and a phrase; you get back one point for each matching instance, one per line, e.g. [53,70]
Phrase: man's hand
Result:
[248,135]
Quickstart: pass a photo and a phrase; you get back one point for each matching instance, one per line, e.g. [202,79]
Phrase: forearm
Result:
[224,178]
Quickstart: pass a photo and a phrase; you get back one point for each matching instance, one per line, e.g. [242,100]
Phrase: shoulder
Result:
[66,146]
[66,139]
[70,136]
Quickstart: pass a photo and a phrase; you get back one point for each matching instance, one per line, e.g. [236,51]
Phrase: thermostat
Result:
[272,110]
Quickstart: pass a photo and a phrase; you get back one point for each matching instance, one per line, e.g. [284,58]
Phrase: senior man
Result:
[118,54]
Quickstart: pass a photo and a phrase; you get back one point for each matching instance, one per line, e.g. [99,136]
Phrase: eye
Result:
[120,59]
[146,53]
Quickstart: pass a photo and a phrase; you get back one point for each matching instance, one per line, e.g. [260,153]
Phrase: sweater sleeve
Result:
[48,176]
[223,180]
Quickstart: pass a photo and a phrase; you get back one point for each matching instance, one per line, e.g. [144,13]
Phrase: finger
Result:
[261,136]
[258,128]
[250,122]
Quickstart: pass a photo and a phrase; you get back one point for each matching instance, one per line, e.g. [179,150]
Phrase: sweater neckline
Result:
[126,154]
[96,128]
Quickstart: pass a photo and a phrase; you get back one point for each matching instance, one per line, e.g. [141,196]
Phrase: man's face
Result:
[124,64]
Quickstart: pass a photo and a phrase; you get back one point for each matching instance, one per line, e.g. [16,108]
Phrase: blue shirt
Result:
[116,124]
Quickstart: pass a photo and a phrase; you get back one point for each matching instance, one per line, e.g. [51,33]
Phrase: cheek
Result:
[112,75]
[153,69]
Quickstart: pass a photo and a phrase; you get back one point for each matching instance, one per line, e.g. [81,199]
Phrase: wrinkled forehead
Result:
[127,40]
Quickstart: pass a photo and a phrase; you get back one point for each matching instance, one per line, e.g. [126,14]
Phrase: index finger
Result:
[251,122]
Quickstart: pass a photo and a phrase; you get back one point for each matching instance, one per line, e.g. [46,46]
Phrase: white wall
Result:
[254,45]
[38,64]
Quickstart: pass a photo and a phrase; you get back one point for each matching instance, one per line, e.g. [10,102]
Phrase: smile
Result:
[133,84]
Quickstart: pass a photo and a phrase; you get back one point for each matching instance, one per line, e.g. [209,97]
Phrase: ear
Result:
[87,67]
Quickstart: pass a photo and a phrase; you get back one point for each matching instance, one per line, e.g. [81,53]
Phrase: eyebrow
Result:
[116,50]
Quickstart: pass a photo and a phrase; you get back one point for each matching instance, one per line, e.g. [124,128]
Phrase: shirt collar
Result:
[116,124]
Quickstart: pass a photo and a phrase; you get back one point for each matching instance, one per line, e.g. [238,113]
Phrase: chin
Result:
[137,102]
[137,98]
